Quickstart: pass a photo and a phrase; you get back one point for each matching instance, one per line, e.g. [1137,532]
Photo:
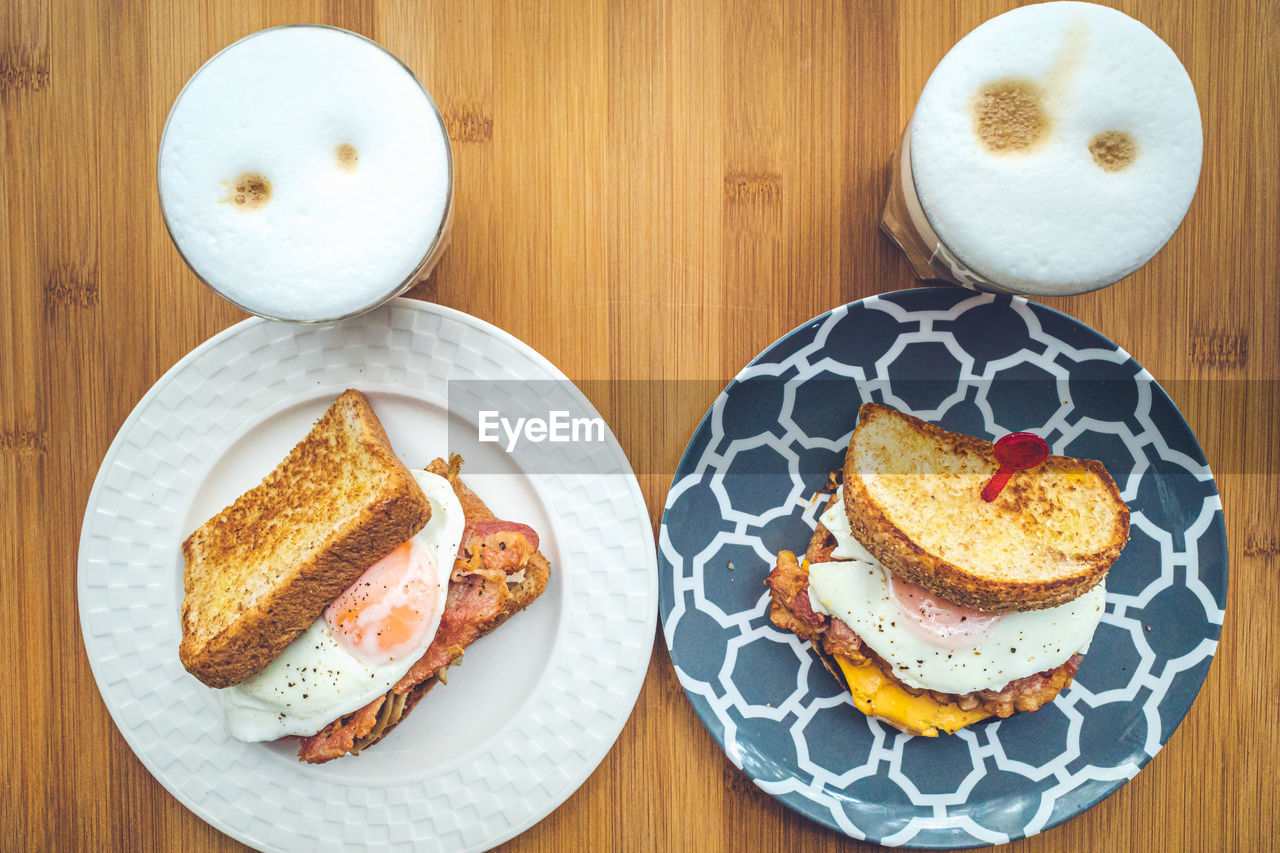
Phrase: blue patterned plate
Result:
[983,365]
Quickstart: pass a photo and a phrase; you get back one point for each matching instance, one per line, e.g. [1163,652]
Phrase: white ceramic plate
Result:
[523,721]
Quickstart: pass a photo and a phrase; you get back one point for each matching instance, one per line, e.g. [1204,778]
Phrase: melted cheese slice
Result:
[879,697]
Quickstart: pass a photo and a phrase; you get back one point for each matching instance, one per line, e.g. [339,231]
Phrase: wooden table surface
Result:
[646,189]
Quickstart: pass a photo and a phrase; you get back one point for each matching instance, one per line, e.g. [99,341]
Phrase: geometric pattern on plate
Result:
[983,365]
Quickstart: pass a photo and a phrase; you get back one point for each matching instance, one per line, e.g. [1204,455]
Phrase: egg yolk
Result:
[937,620]
[386,613]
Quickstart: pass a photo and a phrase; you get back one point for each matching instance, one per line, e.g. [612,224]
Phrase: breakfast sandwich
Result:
[938,601]
[326,601]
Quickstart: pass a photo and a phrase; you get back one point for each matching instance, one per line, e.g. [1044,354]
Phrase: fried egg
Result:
[934,644]
[364,642]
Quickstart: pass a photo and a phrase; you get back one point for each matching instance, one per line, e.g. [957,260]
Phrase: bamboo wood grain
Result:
[646,189]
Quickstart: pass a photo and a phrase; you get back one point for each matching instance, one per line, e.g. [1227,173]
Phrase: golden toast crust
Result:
[912,495]
[261,571]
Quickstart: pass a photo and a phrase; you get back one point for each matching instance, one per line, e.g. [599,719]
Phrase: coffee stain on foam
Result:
[1009,116]
[249,191]
[1016,115]
[347,156]
[1113,150]
[1074,45]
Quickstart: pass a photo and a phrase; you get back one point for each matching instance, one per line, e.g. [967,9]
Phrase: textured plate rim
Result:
[628,692]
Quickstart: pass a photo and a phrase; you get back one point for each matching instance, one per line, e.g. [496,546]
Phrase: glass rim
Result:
[985,282]
[438,241]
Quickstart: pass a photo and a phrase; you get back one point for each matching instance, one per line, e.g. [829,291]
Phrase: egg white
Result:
[856,591]
[847,547]
[316,680]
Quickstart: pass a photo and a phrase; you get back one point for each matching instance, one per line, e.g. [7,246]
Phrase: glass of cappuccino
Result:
[305,175]
[1053,151]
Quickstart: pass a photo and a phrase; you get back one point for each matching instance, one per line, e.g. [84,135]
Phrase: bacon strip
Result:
[486,527]
[838,632]
[494,548]
[336,739]
[792,610]
[1031,692]
[803,609]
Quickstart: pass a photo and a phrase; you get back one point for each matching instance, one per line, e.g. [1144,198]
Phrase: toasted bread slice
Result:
[912,491]
[261,571]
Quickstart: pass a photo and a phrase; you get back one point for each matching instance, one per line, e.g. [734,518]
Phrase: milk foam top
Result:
[1056,147]
[305,174]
